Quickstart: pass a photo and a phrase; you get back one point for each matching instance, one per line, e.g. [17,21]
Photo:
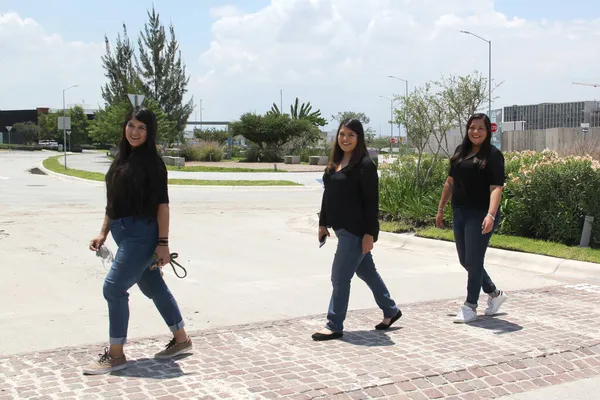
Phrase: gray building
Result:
[554,115]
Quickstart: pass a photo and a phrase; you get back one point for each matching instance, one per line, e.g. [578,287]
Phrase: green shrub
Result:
[211,151]
[204,151]
[266,154]
[549,199]
[411,192]
[306,152]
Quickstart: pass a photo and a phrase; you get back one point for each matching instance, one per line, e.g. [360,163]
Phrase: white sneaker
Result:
[465,315]
[494,303]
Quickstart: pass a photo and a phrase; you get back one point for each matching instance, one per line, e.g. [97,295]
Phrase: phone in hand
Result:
[322,241]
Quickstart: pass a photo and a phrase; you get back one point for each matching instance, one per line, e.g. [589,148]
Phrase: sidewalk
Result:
[543,337]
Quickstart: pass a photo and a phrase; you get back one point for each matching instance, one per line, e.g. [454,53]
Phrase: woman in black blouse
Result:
[475,183]
[137,216]
[350,206]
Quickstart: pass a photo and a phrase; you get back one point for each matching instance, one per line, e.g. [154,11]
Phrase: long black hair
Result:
[359,152]
[465,147]
[133,176]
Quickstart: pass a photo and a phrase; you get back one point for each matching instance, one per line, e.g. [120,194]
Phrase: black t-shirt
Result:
[351,199]
[128,202]
[473,178]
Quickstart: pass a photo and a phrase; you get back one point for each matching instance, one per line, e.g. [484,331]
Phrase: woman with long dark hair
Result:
[350,206]
[137,216]
[475,183]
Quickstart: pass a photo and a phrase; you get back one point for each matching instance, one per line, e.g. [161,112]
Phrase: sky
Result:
[337,54]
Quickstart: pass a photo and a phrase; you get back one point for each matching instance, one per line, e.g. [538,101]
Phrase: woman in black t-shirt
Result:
[350,206]
[137,216]
[475,183]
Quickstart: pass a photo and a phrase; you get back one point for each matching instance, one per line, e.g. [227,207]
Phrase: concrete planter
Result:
[291,160]
[318,160]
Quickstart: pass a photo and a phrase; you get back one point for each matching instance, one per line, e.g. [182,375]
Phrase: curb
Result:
[189,187]
[67,177]
[538,263]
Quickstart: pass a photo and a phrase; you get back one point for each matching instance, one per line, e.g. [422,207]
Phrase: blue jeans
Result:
[472,246]
[348,260]
[137,240]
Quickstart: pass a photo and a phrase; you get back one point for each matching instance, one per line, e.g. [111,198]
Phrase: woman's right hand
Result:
[323,232]
[439,219]
[97,242]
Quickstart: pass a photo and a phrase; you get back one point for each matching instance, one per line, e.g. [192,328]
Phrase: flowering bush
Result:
[548,197]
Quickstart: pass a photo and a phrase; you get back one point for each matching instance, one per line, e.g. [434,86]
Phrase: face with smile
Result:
[136,133]
[477,132]
[347,139]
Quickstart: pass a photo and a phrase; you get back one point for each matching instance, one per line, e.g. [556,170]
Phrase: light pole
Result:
[391,121]
[489,72]
[406,94]
[65,123]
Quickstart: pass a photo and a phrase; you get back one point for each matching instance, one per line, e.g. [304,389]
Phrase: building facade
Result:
[554,115]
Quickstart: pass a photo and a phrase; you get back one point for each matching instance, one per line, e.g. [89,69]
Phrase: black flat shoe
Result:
[381,326]
[324,336]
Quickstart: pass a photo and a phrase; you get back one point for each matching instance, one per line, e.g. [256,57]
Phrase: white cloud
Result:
[334,53]
[36,66]
[337,53]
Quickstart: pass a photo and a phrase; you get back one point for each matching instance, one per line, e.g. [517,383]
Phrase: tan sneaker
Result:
[106,364]
[173,349]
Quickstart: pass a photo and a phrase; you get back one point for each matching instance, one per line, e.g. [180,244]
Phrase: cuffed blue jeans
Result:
[137,239]
[349,260]
[471,246]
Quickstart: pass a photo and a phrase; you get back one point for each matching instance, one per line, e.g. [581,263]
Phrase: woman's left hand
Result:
[367,243]
[488,225]
[163,254]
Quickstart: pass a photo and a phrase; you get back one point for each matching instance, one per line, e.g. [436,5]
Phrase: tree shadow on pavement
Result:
[151,368]
[370,338]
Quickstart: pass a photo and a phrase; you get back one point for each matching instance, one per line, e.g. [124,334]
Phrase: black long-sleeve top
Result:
[351,199]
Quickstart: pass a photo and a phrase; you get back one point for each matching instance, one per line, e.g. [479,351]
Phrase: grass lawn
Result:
[202,168]
[525,245]
[54,165]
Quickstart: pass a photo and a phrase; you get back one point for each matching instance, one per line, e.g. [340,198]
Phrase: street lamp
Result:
[489,72]
[391,120]
[405,127]
[65,124]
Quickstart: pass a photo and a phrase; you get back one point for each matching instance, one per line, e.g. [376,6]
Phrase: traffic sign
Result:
[494,127]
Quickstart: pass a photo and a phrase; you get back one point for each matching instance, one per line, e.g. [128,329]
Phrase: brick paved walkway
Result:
[543,338]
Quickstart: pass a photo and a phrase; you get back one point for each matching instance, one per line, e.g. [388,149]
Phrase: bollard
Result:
[275,166]
[586,233]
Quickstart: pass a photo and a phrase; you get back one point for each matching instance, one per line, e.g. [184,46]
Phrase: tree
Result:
[270,133]
[120,70]
[163,72]
[29,130]
[416,116]
[302,111]
[107,125]
[48,123]
[211,135]
[79,125]
[352,115]
[463,96]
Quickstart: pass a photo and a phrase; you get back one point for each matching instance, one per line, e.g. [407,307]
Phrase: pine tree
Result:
[162,70]
[120,70]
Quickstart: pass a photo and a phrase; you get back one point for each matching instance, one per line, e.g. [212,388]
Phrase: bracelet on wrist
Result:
[491,216]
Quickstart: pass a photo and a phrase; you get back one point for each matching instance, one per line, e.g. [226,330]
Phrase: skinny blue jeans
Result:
[349,260]
[471,246]
[136,239]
